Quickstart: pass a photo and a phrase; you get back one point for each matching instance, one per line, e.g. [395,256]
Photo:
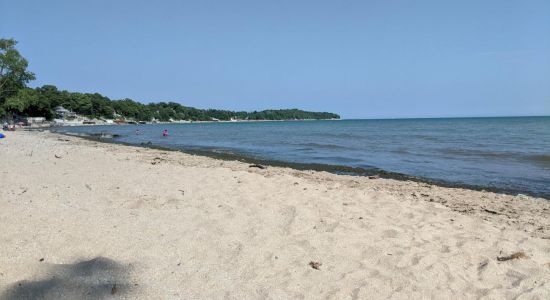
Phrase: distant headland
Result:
[21,104]
[50,103]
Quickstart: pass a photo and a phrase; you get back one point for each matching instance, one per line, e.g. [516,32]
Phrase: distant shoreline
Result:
[169,123]
[288,120]
[300,120]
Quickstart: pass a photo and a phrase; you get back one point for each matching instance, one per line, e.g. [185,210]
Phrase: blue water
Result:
[503,153]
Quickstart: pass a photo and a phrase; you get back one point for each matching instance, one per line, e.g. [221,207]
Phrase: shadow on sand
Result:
[91,279]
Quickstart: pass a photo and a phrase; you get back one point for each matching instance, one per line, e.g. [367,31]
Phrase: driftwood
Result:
[491,211]
[517,255]
[257,166]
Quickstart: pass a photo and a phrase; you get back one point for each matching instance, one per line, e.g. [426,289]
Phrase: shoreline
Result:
[335,169]
[416,184]
[178,122]
[150,223]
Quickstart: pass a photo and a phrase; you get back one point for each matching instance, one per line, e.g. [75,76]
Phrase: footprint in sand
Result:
[390,233]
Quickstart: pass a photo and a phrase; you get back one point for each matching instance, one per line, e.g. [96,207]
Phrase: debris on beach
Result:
[517,255]
[374,177]
[57,156]
[490,211]
[114,289]
[483,265]
[257,166]
[157,160]
[316,265]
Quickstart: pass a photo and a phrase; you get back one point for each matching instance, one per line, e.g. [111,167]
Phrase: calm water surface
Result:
[504,153]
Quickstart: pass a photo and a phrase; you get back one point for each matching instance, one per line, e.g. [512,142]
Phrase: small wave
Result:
[478,153]
[338,135]
[426,137]
[324,146]
[542,159]
[401,151]
[337,159]
[101,135]
[105,135]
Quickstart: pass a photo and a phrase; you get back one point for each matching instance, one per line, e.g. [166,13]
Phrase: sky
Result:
[361,59]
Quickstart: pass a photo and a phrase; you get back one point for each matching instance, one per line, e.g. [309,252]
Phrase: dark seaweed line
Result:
[335,169]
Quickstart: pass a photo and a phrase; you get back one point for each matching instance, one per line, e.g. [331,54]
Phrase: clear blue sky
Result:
[362,59]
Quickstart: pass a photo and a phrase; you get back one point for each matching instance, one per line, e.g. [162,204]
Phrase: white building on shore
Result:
[63,113]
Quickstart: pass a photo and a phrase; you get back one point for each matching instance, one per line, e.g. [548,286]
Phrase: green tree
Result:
[13,71]
[22,101]
[101,106]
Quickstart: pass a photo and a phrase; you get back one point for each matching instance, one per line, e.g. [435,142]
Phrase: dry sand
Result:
[82,219]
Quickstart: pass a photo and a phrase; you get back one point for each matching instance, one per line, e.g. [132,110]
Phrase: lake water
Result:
[511,154]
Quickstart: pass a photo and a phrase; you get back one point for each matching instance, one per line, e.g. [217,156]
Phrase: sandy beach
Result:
[83,219]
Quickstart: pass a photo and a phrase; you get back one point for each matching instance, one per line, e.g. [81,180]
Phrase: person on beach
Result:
[165,132]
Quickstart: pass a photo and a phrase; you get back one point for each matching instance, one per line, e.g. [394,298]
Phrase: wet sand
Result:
[82,219]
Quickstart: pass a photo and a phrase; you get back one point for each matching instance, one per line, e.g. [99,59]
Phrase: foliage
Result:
[13,70]
[16,98]
[42,101]
[22,101]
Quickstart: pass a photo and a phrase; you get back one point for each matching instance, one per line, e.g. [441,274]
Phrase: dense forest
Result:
[16,99]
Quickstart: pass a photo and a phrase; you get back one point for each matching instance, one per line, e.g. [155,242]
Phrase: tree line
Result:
[18,99]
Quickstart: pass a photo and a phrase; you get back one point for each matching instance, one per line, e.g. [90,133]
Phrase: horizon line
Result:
[461,117]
